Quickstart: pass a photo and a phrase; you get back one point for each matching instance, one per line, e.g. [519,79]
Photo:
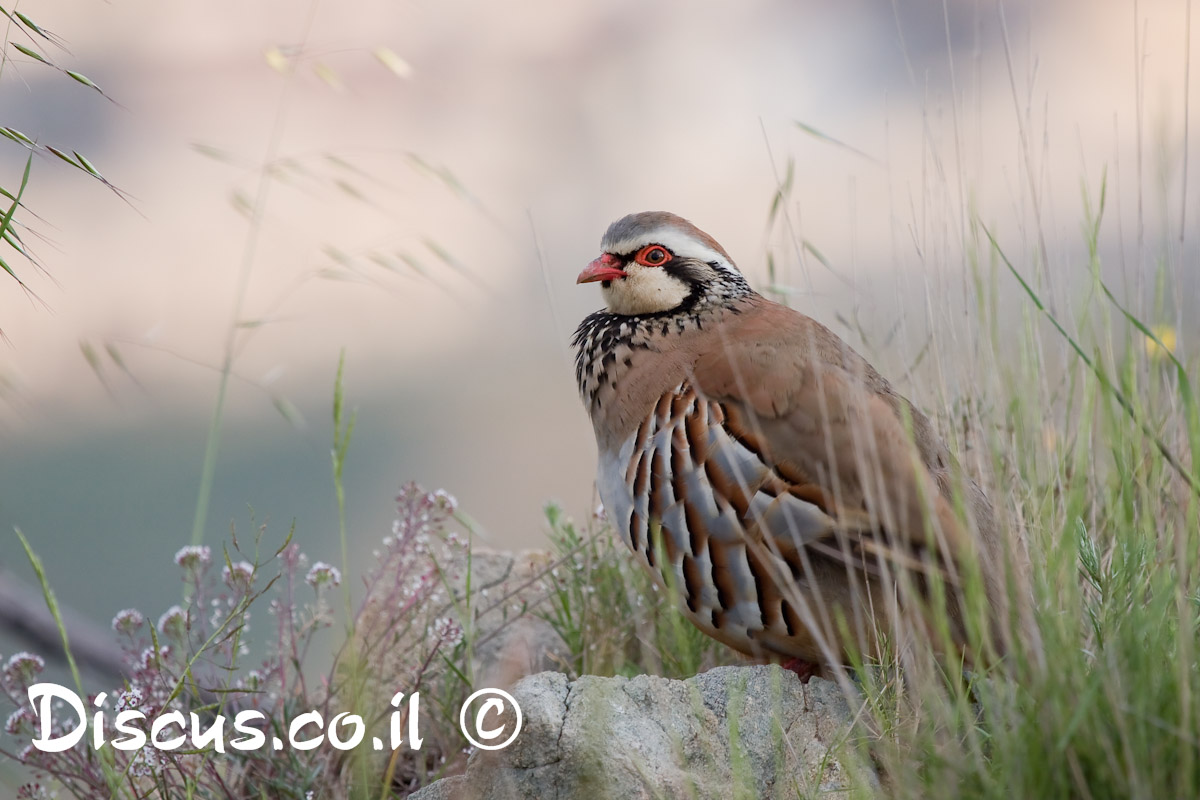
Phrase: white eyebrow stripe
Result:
[678,243]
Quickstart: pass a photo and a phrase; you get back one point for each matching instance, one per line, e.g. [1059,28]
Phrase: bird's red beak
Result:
[605,268]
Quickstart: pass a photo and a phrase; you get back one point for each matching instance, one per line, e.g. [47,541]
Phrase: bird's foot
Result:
[804,670]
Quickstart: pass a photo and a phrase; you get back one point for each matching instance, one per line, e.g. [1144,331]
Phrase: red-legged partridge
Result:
[799,504]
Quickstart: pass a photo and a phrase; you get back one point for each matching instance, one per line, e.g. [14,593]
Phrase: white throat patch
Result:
[647,290]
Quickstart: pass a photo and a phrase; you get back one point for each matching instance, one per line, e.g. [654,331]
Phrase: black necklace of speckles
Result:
[599,334]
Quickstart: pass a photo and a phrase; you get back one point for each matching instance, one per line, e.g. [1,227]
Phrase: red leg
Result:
[803,669]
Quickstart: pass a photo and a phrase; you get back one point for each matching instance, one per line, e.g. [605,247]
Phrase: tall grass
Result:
[1098,475]
[24,40]
[1102,482]
[613,617]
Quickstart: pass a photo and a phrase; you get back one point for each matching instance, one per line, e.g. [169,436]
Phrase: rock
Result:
[731,732]
[522,646]
[445,789]
[507,590]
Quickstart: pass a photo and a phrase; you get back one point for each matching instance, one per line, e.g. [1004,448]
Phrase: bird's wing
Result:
[830,426]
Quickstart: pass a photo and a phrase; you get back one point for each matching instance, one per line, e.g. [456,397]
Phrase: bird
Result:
[801,508]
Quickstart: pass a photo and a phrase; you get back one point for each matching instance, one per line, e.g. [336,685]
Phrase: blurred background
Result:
[418,183]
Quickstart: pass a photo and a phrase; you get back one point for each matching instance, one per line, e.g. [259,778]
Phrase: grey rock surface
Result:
[512,641]
[731,732]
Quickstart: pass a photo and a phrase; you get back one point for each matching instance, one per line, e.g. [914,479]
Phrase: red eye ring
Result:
[653,255]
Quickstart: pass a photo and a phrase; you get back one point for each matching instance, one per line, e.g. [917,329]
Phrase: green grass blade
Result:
[1105,382]
[6,221]
[52,605]
[1188,397]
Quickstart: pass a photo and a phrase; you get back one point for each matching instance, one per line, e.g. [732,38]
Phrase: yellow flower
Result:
[277,60]
[1166,335]
[1049,437]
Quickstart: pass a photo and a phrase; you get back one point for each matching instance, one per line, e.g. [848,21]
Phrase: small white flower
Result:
[412,588]
[173,623]
[128,621]
[445,501]
[193,556]
[147,763]
[35,791]
[23,667]
[238,576]
[447,630]
[18,721]
[321,574]
[130,698]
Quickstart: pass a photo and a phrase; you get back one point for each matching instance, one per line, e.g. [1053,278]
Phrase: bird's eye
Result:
[653,255]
